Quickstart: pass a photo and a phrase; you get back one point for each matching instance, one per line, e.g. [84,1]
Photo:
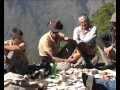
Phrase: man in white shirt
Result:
[85,36]
[85,32]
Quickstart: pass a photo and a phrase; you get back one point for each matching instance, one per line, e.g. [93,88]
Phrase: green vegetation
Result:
[101,18]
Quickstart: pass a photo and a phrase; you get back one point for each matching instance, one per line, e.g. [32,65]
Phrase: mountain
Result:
[32,17]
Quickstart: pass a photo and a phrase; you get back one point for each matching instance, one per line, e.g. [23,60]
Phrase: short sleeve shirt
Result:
[9,42]
[46,44]
[22,59]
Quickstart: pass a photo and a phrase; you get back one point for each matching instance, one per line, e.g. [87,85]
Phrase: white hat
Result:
[113,18]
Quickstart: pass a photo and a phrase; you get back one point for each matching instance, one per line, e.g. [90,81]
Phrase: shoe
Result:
[106,67]
[84,77]
[89,82]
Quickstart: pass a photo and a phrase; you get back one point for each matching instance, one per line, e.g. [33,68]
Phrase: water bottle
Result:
[53,70]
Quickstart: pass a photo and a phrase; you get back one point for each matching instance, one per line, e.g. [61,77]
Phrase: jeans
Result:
[103,84]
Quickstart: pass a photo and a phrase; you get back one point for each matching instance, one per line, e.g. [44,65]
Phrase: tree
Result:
[101,18]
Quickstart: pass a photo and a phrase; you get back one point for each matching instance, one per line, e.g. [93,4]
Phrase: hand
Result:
[66,38]
[107,50]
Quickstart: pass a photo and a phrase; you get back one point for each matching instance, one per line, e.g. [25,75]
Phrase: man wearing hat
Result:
[49,46]
[14,53]
[107,43]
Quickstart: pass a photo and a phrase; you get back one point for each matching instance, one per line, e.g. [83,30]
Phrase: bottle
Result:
[53,70]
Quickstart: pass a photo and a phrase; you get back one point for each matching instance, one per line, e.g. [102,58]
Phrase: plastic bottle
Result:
[53,70]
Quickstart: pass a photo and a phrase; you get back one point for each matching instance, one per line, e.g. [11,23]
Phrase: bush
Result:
[101,18]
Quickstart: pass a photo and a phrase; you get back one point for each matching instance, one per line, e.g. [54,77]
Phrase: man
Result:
[107,43]
[92,83]
[14,53]
[85,36]
[49,46]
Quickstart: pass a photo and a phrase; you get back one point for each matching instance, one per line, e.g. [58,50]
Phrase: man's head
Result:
[84,21]
[16,35]
[113,20]
[54,27]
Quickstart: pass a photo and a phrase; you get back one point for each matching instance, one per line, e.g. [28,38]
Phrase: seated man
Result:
[92,83]
[14,53]
[107,43]
[49,46]
[85,36]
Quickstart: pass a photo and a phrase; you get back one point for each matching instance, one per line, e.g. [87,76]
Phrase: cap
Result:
[113,18]
[55,25]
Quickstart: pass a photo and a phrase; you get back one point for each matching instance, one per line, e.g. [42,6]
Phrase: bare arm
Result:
[64,37]
[50,54]
[12,48]
[20,47]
